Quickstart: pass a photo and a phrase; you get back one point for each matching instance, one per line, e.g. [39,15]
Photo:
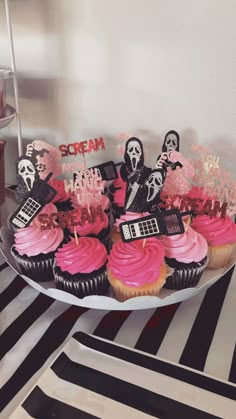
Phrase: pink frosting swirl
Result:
[31,241]
[79,200]
[61,195]
[119,197]
[128,216]
[92,229]
[187,247]
[216,231]
[134,264]
[88,256]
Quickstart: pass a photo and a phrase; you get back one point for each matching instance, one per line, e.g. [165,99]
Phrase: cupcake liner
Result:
[123,292]
[38,268]
[185,275]
[82,285]
[219,256]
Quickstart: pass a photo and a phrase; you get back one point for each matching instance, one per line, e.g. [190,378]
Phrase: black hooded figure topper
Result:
[171,143]
[148,196]
[26,177]
[133,171]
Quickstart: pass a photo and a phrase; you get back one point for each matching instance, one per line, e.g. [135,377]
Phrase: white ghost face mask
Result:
[134,152]
[154,185]
[27,171]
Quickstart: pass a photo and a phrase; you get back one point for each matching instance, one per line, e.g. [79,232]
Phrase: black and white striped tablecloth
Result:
[199,333]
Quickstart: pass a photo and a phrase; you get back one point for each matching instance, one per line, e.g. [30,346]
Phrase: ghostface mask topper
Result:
[151,190]
[134,172]
[26,177]
[147,196]
[133,169]
[171,143]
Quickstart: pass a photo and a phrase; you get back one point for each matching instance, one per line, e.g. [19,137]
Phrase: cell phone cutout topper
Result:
[167,223]
[108,170]
[40,195]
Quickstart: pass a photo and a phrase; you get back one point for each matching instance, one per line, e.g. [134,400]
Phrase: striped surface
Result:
[95,378]
[199,333]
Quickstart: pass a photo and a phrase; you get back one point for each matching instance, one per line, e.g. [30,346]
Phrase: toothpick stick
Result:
[76,236]
[144,242]
[188,222]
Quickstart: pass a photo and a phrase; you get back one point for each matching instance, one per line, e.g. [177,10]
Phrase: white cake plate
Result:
[108,302]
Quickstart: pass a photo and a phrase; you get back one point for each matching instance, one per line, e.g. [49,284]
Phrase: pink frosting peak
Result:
[61,195]
[136,264]
[80,200]
[87,229]
[128,216]
[119,197]
[31,241]
[187,247]
[88,256]
[217,230]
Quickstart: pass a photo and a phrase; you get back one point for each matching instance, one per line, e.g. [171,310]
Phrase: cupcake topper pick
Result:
[40,195]
[134,172]
[76,236]
[166,223]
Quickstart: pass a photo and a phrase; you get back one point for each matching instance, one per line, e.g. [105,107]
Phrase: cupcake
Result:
[99,228]
[34,251]
[220,235]
[136,268]
[62,199]
[81,269]
[186,254]
[128,216]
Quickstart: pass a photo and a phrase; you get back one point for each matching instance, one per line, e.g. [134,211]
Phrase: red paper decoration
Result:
[67,219]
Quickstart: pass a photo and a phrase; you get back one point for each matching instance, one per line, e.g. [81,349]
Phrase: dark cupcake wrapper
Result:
[38,268]
[82,285]
[185,275]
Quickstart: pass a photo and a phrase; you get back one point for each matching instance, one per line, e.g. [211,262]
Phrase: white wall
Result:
[99,67]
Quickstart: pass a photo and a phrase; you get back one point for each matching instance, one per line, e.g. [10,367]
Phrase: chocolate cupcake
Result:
[80,268]
[34,251]
[186,254]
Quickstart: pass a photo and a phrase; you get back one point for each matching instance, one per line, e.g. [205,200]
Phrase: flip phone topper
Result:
[166,223]
[40,195]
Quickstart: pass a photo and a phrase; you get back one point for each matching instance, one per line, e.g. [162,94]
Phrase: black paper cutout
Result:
[167,223]
[40,195]
[147,197]
[26,177]
[134,172]
[107,170]
[171,143]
